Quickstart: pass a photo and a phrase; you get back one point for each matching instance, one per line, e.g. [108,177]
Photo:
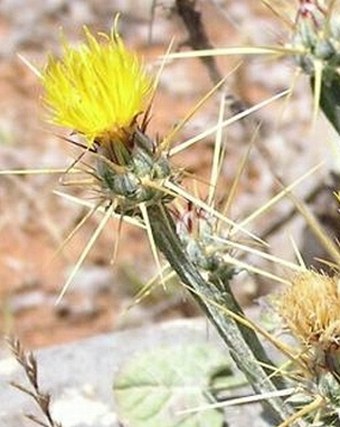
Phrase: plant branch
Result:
[243,343]
[29,364]
[198,40]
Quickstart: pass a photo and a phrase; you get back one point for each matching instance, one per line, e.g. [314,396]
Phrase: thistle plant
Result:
[132,176]
[103,93]
[310,309]
[317,37]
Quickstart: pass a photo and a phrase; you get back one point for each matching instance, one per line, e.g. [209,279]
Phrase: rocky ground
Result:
[79,376]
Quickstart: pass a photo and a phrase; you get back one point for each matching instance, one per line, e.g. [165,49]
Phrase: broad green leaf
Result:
[155,386]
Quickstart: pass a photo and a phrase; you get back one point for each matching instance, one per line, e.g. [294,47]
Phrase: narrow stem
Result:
[244,345]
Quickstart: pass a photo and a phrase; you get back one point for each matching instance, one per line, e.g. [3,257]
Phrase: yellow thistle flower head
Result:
[311,309]
[97,89]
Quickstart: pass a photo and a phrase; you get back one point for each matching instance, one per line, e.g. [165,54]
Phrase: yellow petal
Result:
[96,89]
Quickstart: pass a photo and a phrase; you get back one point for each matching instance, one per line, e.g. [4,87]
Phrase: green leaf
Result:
[330,97]
[155,386]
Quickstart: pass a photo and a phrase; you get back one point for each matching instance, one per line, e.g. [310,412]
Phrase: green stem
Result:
[244,345]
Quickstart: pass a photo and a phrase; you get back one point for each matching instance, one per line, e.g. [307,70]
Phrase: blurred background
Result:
[34,221]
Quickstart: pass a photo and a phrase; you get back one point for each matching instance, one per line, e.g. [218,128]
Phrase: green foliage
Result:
[154,387]
[330,98]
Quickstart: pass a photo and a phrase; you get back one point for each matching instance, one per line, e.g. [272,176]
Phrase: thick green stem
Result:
[243,343]
[330,97]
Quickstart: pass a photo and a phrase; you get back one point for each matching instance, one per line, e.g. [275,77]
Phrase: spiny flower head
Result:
[317,34]
[97,89]
[311,309]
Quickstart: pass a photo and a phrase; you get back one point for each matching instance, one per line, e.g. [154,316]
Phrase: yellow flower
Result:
[311,309]
[97,89]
